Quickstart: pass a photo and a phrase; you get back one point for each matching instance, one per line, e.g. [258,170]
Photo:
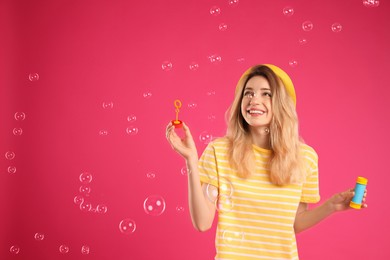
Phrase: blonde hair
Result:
[286,164]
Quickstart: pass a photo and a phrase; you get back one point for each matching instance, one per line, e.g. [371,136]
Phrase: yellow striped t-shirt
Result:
[255,217]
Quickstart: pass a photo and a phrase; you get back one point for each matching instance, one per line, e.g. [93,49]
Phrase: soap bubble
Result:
[78,199]
[84,189]
[211,93]
[127,226]
[241,59]
[39,236]
[166,66]
[64,249]
[371,3]
[211,117]
[179,209]
[302,41]
[10,155]
[132,130]
[205,137]
[131,118]
[108,105]
[336,27]
[194,66]
[147,94]
[232,236]
[85,250]
[222,27]
[85,177]
[211,192]
[17,131]
[11,169]
[33,76]
[101,209]
[288,11]
[14,250]
[85,206]
[233,2]
[215,10]
[215,58]
[307,26]
[192,105]
[20,116]
[184,171]
[154,205]
[293,63]
[224,204]
[150,175]
[103,132]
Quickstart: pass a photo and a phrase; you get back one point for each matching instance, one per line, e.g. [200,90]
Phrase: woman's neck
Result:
[261,137]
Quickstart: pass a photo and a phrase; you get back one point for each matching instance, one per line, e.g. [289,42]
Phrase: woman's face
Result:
[256,102]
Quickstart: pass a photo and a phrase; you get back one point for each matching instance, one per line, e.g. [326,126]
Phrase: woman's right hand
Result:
[184,146]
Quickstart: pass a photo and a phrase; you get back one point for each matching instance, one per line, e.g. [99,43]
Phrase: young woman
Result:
[260,177]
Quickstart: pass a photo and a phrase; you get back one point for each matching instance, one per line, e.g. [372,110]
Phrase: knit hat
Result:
[283,76]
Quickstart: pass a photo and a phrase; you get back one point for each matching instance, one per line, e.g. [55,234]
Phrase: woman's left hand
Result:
[340,201]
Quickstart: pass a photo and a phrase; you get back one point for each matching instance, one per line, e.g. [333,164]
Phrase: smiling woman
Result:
[260,177]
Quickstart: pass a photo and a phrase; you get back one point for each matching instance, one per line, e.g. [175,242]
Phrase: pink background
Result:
[92,53]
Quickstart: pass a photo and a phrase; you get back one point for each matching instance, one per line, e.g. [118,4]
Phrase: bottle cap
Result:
[362,180]
[355,205]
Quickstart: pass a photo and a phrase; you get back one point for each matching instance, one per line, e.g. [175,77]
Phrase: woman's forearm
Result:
[201,209]
[309,218]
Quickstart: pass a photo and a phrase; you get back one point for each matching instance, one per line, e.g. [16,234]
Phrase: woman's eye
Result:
[267,94]
[248,94]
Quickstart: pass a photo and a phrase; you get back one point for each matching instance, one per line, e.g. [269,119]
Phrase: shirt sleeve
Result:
[208,170]
[310,189]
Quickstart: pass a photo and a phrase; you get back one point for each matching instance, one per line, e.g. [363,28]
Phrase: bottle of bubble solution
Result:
[360,187]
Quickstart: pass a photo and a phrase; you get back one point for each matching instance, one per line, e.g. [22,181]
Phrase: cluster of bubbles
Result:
[10,156]
[85,191]
[131,130]
[371,3]
[64,249]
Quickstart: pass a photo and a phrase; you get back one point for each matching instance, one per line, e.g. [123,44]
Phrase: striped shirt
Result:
[255,217]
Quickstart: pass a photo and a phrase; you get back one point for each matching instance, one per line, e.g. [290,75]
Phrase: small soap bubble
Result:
[224,204]
[205,137]
[154,205]
[215,10]
[103,132]
[184,171]
[33,76]
[222,27]
[127,226]
[85,206]
[85,250]
[10,155]
[336,27]
[20,116]
[108,105]
[11,169]
[215,59]
[150,175]
[241,59]
[233,2]
[17,131]
[101,209]
[371,3]
[132,130]
[302,41]
[179,209]
[211,93]
[307,26]
[288,11]
[64,249]
[232,236]
[147,94]
[14,250]
[39,236]
[131,118]
[78,199]
[293,63]
[211,192]
[166,66]
[194,66]
[85,177]
[84,189]
[192,105]
[211,117]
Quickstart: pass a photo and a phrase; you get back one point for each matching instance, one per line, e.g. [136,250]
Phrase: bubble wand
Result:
[177,123]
